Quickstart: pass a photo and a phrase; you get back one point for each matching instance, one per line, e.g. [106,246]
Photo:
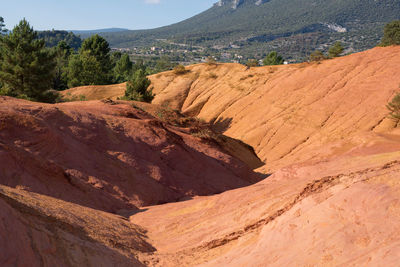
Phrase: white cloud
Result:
[152,2]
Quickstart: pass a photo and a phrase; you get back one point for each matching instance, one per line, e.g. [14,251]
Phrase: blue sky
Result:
[98,14]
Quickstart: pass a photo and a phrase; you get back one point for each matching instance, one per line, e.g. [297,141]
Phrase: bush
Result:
[317,56]
[394,107]
[136,88]
[252,63]
[180,70]
[335,50]
[211,61]
[273,59]
[212,75]
[391,34]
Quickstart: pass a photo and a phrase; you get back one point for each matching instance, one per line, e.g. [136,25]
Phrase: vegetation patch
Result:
[180,70]
[212,75]
[391,34]
[394,108]
[137,88]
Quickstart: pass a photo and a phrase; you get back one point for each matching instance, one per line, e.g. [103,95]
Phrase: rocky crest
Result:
[236,3]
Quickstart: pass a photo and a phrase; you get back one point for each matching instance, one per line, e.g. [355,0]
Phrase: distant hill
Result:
[293,27]
[92,32]
[53,37]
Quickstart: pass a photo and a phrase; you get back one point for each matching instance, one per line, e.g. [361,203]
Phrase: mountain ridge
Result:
[293,27]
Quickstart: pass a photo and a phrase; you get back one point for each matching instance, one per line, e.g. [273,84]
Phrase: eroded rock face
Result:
[290,113]
[36,230]
[336,212]
[333,199]
[111,157]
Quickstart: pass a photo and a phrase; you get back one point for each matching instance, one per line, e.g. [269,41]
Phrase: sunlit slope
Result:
[286,112]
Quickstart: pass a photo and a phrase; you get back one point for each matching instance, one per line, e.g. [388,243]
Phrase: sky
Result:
[99,14]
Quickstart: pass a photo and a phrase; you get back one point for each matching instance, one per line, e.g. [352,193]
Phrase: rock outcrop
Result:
[236,3]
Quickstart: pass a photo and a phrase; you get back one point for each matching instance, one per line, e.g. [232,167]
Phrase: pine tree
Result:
[92,66]
[95,55]
[335,50]
[136,87]
[27,67]
[394,107]
[2,29]
[273,59]
[75,71]
[391,34]
[123,69]
[63,51]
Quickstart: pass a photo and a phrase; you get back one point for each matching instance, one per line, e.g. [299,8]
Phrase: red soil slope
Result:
[345,212]
[333,198]
[108,156]
[36,230]
[95,92]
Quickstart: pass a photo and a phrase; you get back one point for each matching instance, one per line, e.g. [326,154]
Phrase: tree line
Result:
[31,70]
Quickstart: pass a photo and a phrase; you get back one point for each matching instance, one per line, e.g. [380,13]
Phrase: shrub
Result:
[391,34]
[211,61]
[335,50]
[180,70]
[317,56]
[136,88]
[212,75]
[273,59]
[252,63]
[394,107]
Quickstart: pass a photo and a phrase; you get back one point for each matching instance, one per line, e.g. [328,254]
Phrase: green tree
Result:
[92,66]
[335,50]
[136,87]
[123,69]
[2,29]
[27,67]
[75,71]
[115,57]
[273,59]
[391,34]
[95,52]
[394,107]
[317,56]
[63,51]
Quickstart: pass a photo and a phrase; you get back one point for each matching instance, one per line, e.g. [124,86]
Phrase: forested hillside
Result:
[53,37]
[293,27]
